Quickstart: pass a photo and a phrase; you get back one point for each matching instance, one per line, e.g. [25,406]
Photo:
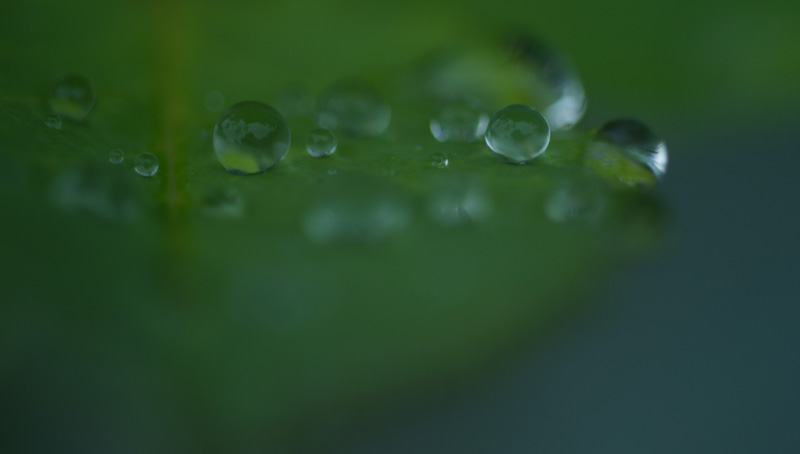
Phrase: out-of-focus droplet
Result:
[575,202]
[459,121]
[458,202]
[73,97]
[321,142]
[224,203]
[53,121]
[116,156]
[519,133]
[214,101]
[440,160]
[353,108]
[146,164]
[250,137]
[627,151]
[101,191]
[294,101]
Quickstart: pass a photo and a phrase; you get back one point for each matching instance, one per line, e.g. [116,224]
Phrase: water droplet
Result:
[459,121]
[356,209]
[53,121]
[519,133]
[332,172]
[73,97]
[459,202]
[214,101]
[107,193]
[628,151]
[575,202]
[439,160]
[250,137]
[321,142]
[146,164]
[294,101]
[224,203]
[116,156]
[354,108]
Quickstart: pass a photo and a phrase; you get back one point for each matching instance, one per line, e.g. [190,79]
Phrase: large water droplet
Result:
[250,137]
[356,209]
[459,201]
[459,121]
[146,164]
[519,133]
[73,97]
[116,156]
[321,142]
[354,108]
[627,151]
[53,121]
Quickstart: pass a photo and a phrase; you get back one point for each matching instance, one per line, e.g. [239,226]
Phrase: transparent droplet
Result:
[439,160]
[146,164]
[519,133]
[627,151]
[53,121]
[100,191]
[294,101]
[250,137]
[116,156]
[321,142]
[214,101]
[354,108]
[356,209]
[73,97]
[459,121]
[332,172]
[458,202]
[224,203]
[575,203]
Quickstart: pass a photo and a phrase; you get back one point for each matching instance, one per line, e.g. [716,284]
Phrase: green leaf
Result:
[195,307]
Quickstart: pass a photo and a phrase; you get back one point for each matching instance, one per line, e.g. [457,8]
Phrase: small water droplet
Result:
[440,160]
[214,101]
[459,121]
[519,133]
[354,108]
[321,142]
[224,203]
[146,164]
[250,137]
[459,202]
[116,156]
[73,97]
[356,209]
[53,121]
[628,151]
[294,101]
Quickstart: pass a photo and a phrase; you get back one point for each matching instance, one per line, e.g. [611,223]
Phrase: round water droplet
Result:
[214,101]
[627,151]
[459,121]
[116,156]
[458,202]
[519,133]
[250,137]
[53,121]
[146,164]
[440,160]
[321,142]
[73,97]
[354,108]
[224,203]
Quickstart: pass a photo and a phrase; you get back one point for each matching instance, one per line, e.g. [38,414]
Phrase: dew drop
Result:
[440,160]
[53,121]
[146,164]
[321,142]
[332,172]
[519,133]
[73,97]
[214,101]
[116,156]
[353,108]
[627,151]
[459,121]
[250,137]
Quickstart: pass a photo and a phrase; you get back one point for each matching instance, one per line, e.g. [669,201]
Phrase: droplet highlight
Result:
[73,97]
[440,161]
[459,121]
[146,164]
[250,137]
[519,133]
[353,108]
[321,142]
[627,151]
